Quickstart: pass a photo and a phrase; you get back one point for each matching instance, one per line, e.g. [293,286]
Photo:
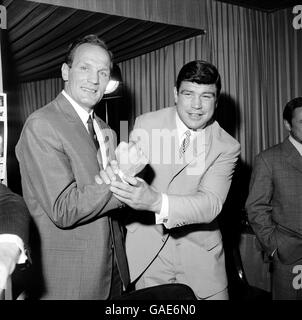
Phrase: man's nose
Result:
[196,102]
[93,77]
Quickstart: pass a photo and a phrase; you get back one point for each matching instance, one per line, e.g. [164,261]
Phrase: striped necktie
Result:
[185,143]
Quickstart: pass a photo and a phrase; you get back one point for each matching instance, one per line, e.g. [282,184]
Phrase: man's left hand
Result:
[139,196]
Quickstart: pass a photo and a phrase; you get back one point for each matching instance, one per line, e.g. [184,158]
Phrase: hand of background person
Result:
[9,255]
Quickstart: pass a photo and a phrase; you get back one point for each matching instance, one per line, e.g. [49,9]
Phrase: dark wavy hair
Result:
[201,72]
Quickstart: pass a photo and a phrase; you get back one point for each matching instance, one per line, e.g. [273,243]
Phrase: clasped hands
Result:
[133,191]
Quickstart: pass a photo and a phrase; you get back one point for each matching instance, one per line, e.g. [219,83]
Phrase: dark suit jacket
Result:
[58,162]
[14,215]
[274,204]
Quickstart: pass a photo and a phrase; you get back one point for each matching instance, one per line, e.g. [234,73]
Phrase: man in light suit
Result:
[274,205]
[14,232]
[62,147]
[174,237]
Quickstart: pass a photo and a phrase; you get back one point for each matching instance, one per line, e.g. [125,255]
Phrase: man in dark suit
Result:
[62,148]
[274,204]
[14,226]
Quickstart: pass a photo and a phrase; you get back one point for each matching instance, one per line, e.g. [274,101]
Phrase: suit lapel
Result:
[170,124]
[292,155]
[71,115]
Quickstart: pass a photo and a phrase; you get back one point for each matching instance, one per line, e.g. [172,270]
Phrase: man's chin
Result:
[89,103]
[195,125]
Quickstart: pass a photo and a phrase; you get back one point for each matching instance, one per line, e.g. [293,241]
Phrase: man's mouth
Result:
[195,116]
[90,90]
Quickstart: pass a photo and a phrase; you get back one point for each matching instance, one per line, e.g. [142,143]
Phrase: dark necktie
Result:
[185,143]
[92,132]
[119,249]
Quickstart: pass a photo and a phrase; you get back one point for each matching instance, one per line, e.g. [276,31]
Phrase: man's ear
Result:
[287,125]
[175,95]
[65,71]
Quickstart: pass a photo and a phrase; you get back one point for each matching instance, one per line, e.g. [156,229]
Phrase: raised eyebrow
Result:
[186,90]
[104,69]
[81,63]
[91,65]
[210,92]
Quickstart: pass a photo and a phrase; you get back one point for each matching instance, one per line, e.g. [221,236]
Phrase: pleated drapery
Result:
[34,95]
[258,57]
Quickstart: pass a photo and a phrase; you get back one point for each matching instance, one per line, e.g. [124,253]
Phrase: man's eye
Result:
[104,74]
[84,68]
[207,96]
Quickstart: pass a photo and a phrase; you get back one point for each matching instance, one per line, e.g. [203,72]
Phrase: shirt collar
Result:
[82,113]
[296,144]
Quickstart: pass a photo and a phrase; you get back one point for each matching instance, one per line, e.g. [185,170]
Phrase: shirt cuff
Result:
[12,238]
[162,216]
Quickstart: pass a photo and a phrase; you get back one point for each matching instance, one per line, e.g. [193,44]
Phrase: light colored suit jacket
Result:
[196,190]
[58,163]
[274,204]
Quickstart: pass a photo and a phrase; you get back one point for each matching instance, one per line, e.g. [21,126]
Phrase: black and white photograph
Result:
[155,150]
